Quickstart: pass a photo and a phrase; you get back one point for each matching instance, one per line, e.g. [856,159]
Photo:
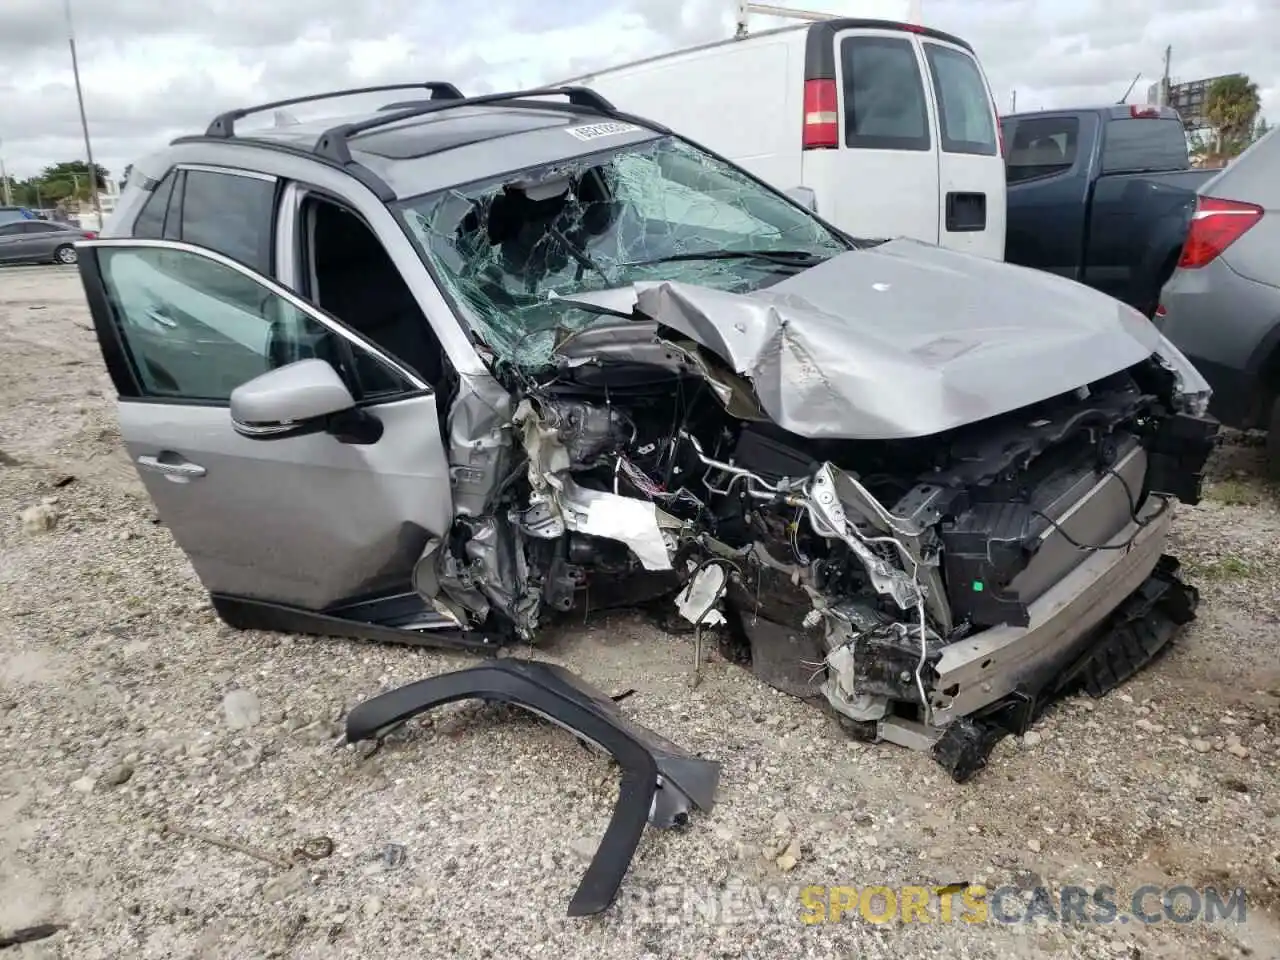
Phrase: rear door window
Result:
[1143,143]
[1042,147]
[884,103]
[963,102]
[150,222]
[233,214]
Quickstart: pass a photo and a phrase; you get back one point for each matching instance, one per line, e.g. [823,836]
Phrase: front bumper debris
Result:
[661,783]
[1126,641]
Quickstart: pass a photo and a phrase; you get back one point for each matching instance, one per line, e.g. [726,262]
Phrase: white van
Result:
[892,126]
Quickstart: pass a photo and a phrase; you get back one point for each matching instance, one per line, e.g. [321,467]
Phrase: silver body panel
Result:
[305,521]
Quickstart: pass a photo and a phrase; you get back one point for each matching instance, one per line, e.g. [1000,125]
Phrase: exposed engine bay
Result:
[913,586]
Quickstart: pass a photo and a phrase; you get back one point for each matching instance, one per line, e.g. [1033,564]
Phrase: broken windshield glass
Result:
[507,250]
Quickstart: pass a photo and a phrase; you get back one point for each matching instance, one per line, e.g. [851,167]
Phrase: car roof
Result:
[1113,111]
[425,145]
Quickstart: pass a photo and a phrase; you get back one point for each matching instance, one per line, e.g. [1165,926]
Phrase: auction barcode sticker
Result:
[594,131]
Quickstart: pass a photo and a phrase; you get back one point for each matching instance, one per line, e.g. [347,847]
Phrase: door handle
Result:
[177,470]
[966,212]
[160,318]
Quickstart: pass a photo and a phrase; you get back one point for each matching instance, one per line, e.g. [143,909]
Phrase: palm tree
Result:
[1232,107]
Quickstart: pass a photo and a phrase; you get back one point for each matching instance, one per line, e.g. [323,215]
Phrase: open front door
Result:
[305,517]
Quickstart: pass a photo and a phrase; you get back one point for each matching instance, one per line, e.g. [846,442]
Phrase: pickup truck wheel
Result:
[1273,442]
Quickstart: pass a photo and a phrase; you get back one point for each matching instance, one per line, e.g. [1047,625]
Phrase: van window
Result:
[884,105]
[963,102]
[1042,147]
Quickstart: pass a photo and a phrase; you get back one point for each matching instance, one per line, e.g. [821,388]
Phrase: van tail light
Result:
[1216,225]
[821,115]
[1143,113]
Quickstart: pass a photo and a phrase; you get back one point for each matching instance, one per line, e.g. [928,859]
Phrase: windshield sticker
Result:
[594,131]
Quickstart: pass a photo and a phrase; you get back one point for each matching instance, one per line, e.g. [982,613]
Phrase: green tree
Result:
[1232,108]
[52,191]
[70,179]
[1261,129]
[27,193]
[1197,146]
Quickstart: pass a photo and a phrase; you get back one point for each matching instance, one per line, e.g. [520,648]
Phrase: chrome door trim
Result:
[275,287]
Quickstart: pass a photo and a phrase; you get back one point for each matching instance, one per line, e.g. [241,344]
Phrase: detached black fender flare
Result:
[660,781]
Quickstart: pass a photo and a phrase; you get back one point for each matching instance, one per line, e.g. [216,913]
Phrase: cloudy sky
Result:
[152,69]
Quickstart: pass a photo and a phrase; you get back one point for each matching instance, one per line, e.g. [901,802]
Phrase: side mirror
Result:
[804,196]
[300,398]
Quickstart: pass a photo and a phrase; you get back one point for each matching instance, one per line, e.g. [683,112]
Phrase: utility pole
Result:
[4,182]
[1013,102]
[84,123]
[1164,81]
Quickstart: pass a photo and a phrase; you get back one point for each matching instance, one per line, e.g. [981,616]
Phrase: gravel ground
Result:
[468,832]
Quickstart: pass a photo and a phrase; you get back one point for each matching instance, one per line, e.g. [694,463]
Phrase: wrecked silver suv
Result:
[594,365]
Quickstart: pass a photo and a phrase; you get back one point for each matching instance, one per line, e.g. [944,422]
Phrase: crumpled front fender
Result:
[660,781]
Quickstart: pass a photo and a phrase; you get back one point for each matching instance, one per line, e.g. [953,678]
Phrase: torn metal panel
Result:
[479,426]
[637,523]
[697,601]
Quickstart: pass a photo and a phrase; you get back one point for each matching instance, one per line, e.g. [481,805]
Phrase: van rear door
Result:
[971,180]
[874,166]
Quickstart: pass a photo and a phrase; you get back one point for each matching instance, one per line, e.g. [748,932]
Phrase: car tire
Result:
[1273,442]
[66,254]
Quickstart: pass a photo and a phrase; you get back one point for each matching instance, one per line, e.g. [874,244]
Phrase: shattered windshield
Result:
[507,249]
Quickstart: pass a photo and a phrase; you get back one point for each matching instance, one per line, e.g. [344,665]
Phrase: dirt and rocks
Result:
[165,782]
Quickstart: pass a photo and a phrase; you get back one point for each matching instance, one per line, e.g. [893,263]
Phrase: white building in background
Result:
[108,198]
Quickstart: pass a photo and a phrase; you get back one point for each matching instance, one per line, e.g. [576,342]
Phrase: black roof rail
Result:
[224,124]
[332,144]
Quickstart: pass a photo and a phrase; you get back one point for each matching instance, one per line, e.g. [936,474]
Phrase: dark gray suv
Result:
[444,371]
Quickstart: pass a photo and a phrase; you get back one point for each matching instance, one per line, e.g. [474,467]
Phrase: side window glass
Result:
[150,222]
[173,216]
[1006,130]
[1042,147]
[231,214]
[965,107]
[884,104]
[195,329]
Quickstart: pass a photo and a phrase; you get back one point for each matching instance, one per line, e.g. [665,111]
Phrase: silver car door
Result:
[307,521]
[37,240]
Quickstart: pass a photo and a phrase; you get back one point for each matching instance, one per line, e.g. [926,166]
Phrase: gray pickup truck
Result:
[1102,196]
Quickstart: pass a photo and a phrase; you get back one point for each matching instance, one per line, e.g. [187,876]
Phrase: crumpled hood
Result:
[906,339]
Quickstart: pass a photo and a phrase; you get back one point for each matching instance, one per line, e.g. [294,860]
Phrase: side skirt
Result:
[246,614]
